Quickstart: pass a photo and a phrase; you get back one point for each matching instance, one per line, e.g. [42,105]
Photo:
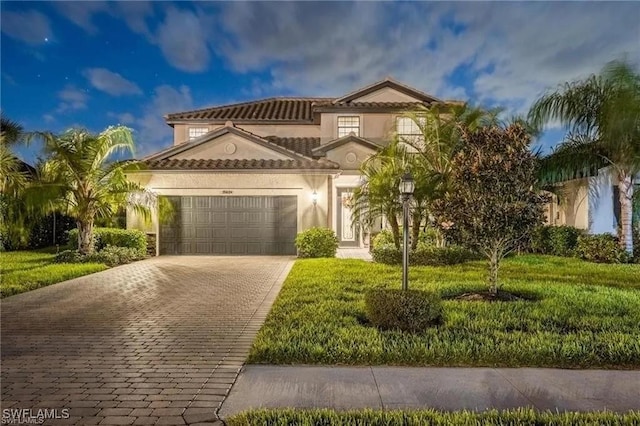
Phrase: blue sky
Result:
[94,64]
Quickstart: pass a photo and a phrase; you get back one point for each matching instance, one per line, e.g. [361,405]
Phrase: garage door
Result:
[231,226]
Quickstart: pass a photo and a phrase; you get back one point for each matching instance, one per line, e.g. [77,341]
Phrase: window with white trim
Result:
[196,132]
[409,132]
[348,124]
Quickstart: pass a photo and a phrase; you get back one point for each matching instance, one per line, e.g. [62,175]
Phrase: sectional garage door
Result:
[231,226]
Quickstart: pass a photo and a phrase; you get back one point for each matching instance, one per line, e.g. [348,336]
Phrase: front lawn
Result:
[285,417]
[22,271]
[584,315]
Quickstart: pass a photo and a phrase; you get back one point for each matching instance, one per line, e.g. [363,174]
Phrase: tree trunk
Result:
[395,229]
[625,186]
[85,236]
[494,265]
[416,222]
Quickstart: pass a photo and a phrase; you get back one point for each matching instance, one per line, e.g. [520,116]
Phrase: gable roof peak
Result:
[388,81]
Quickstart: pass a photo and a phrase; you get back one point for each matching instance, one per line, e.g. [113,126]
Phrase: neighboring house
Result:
[591,203]
[246,178]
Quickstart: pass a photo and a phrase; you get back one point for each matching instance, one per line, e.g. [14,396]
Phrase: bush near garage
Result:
[103,237]
[317,242]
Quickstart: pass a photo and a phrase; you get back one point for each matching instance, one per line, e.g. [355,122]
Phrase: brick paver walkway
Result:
[156,342]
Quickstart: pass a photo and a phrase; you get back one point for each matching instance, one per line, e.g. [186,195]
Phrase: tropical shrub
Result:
[423,255]
[42,233]
[429,237]
[601,248]
[317,242]
[407,310]
[110,255]
[441,256]
[383,238]
[387,254]
[68,256]
[555,240]
[113,256]
[103,237]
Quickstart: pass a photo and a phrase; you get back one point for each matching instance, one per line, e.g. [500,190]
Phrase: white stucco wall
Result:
[386,94]
[350,156]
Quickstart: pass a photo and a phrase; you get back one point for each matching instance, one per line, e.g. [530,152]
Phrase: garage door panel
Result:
[231,225]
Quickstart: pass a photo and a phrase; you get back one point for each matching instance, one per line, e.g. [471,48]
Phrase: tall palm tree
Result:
[80,175]
[602,115]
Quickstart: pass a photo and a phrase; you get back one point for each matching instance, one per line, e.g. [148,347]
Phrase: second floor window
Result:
[409,132]
[348,124]
[196,132]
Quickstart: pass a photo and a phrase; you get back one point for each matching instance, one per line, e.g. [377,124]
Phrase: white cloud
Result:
[81,13]
[72,98]
[183,40]
[111,82]
[31,27]
[123,118]
[152,133]
[512,51]
[48,118]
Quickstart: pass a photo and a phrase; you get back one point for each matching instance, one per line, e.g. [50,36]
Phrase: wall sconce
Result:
[314,198]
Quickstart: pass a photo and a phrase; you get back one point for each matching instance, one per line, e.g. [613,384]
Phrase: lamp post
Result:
[407,185]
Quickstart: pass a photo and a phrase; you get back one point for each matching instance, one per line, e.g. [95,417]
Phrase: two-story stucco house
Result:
[246,178]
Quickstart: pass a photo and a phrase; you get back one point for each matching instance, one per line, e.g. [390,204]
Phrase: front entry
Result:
[348,235]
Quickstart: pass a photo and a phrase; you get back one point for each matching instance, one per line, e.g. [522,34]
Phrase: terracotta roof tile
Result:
[218,164]
[279,109]
[300,145]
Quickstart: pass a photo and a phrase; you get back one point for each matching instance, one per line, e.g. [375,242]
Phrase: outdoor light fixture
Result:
[314,198]
[407,186]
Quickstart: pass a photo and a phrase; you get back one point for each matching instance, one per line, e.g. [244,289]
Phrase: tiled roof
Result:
[279,109]
[213,164]
[302,146]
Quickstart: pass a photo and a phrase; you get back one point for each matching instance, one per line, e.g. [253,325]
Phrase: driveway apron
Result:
[155,342]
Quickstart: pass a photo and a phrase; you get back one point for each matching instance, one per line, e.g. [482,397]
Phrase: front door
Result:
[348,235]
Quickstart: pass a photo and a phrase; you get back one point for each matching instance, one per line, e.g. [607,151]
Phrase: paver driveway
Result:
[156,342]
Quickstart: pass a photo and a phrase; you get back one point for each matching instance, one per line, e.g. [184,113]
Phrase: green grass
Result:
[290,417]
[22,271]
[585,315]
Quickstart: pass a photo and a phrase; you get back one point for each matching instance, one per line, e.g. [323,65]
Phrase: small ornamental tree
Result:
[493,204]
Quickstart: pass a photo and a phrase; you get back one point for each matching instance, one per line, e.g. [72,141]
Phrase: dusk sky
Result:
[94,64]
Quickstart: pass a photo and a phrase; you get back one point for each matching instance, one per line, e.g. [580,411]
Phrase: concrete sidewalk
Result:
[440,388]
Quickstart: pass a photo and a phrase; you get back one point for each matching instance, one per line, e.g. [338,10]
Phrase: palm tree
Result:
[602,115]
[378,196]
[14,178]
[80,178]
[12,170]
[427,157]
